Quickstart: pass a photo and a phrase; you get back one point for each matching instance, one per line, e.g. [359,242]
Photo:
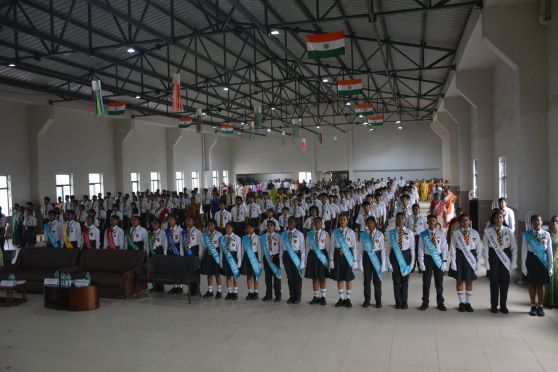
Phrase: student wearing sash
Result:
[90,234]
[372,261]
[239,215]
[309,221]
[360,223]
[211,257]
[30,228]
[53,230]
[466,259]
[72,231]
[500,259]
[222,217]
[294,259]
[432,261]
[401,244]
[157,246]
[343,260]
[537,263]
[551,293]
[191,241]
[317,264]
[173,235]
[251,262]
[232,258]
[417,224]
[137,236]
[114,235]
[271,248]
[269,217]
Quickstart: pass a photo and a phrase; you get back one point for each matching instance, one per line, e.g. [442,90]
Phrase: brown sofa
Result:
[35,264]
[116,273]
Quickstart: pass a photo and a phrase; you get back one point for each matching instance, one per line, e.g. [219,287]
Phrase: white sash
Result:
[466,252]
[493,239]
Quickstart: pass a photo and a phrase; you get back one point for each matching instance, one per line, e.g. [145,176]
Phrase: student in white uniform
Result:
[158,246]
[372,244]
[211,259]
[341,263]
[72,231]
[317,263]
[466,260]
[508,213]
[239,215]
[232,259]
[294,259]
[417,223]
[401,245]
[309,221]
[175,245]
[269,217]
[222,217]
[91,235]
[251,267]
[137,237]
[114,235]
[29,228]
[273,246]
[432,261]
[253,213]
[54,234]
[284,219]
[500,259]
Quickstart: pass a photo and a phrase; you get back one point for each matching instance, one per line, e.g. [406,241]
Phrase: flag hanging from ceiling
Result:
[349,87]
[199,116]
[375,121]
[97,98]
[227,128]
[364,109]
[258,118]
[184,122]
[116,108]
[303,144]
[330,44]
[176,98]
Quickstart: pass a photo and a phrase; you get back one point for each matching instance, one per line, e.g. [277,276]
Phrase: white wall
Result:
[553,111]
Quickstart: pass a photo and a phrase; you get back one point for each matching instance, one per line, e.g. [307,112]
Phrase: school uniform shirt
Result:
[378,245]
[216,243]
[350,237]
[117,235]
[45,209]
[298,212]
[509,218]
[145,206]
[508,241]
[263,225]
[195,236]
[416,224]
[67,205]
[546,241]
[324,211]
[439,239]
[408,244]
[256,246]
[94,235]
[297,242]
[475,244]
[176,234]
[266,204]
[283,222]
[253,211]
[275,248]
[74,231]
[222,217]
[81,217]
[324,241]
[361,219]
[378,210]
[56,230]
[234,247]
[183,203]
[159,239]
[29,221]
[117,213]
[408,211]
[139,234]
[239,213]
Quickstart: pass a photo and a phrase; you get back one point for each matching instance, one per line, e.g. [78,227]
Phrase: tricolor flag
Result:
[303,144]
[325,45]
[349,87]
[375,121]
[364,108]
[184,122]
[116,108]
[227,128]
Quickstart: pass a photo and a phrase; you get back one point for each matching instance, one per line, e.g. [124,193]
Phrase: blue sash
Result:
[50,237]
[292,254]
[344,246]
[252,256]
[538,249]
[405,269]
[209,244]
[432,249]
[274,268]
[171,242]
[228,256]
[186,247]
[369,249]
[311,236]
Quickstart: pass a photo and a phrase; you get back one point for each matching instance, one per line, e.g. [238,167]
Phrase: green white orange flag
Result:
[330,44]
[364,108]
[375,121]
[184,122]
[349,87]
[116,108]
[227,128]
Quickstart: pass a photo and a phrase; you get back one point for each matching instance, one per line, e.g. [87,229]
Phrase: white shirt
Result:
[350,238]
[378,245]
[297,243]
[408,243]
[441,246]
[475,244]
[226,217]
[546,241]
[416,224]
[509,218]
[239,213]
[139,234]
[215,237]
[117,235]
[254,210]
[508,241]
[94,235]
[263,225]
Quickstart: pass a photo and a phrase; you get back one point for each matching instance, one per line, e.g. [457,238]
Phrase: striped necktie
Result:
[400,239]
[317,237]
[415,224]
[433,237]
[221,220]
[466,236]
[269,237]
[499,233]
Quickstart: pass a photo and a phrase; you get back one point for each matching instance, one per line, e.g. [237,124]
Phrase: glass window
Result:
[5,195]
[502,176]
[304,176]
[195,180]
[179,181]
[476,177]
[64,185]
[135,178]
[155,181]
[215,178]
[95,183]
[226,177]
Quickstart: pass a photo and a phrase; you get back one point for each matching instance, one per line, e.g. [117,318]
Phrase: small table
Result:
[10,300]
[72,298]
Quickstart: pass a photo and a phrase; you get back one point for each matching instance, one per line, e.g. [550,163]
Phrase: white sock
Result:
[348,294]
[235,290]
[251,290]
[219,288]
[323,292]
[468,296]
[210,289]
[342,294]
[230,290]
[461,297]
[533,305]
[255,291]
[316,293]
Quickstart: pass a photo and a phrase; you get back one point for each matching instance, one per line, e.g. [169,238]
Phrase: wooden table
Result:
[73,299]
[10,300]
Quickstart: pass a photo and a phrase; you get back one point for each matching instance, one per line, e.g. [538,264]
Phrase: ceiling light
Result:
[275,32]
[131,50]
[138,97]
[225,88]
[204,113]
[238,133]
[400,127]
[273,108]
[317,127]
[325,81]
[214,126]
[268,130]
[371,129]
[360,116]
[364,123]
[242,123]
[12,65]
[348,104]
[398,122]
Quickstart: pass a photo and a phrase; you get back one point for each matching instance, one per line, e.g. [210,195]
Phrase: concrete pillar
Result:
[444,135]
[451,126]
[39,120]
[121,132]
[172,138]
[553,112]
[460,111]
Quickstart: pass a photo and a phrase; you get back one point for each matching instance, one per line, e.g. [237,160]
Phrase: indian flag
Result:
[116,108]
[364,108]
[325,45]
[349,87]
[184,122]
[227,128]
[375,121]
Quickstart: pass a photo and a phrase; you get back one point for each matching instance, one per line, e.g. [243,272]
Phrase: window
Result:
[154,177]
[64,185]
[503,177]
[6,195]
[179,181]
[304,176]
[215,178]
[225,179]
[95,183]
[475,178]
[135,177]
[195,180]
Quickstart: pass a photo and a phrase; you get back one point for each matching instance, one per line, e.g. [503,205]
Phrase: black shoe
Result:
[314,301]
[323,301]
[469,308]
[249,296]
[366,304]
[290,300]
[228,296]
[442,307]
[504,310]
[340,303]
[397,306]
[540,311]
[494,310]
[423,307]
[255,296]
[219,295]
[234,296]
[404,306]
[348,303]
[179,290]
[533,311]
[277,299]
[266,298]
[461,308]
[207,294]
[172,291]
[378,306]
[296,301]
